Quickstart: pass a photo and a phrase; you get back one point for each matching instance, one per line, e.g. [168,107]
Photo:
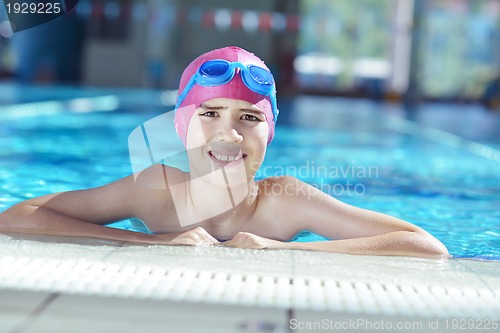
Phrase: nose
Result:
[228,132]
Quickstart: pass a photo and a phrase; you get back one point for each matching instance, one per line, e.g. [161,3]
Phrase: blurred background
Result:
[411,87]
[395,50]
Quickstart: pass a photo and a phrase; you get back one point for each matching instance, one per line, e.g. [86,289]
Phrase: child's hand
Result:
[197,237]
[250,241]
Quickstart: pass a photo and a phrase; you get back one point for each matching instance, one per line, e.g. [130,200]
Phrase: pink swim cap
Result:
[235,89]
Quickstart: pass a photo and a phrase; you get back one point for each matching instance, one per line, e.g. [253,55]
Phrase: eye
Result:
[209,114]
[250,117]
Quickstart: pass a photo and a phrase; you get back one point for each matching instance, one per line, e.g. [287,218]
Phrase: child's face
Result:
[227,133]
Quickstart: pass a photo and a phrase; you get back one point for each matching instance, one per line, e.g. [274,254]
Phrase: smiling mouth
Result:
[225,158]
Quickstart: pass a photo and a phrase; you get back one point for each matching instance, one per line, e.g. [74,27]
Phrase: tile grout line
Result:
[290,312]
[30,319]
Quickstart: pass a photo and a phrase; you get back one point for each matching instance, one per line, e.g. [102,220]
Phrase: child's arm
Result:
[28,218]
[84,213]
[354,230]
[399,243]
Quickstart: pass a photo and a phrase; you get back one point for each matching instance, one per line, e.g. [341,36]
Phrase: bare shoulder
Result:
[153,188]
[159,177]
[289,189]
[305,207]
[296,206]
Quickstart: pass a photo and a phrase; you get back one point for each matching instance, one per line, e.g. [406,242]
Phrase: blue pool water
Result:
[437,167]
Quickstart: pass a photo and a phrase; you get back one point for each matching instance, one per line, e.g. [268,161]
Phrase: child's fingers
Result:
[197,236]
[245,240]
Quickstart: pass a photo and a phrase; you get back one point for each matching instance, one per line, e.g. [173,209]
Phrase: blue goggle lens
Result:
[261,76]
[214,68]
[214,73]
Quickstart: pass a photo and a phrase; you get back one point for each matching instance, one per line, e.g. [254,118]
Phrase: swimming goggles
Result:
[219,72]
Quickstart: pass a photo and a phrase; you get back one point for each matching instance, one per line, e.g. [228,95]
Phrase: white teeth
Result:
[225,158]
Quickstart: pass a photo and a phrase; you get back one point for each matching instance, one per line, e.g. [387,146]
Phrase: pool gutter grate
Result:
[283,292]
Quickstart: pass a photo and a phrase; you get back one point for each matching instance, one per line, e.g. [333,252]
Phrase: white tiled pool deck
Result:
[76,285]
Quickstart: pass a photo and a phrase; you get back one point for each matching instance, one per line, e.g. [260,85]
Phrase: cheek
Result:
[259,155]
[261,133]
[253,165]
[195,134]
[259,148]
[260,144]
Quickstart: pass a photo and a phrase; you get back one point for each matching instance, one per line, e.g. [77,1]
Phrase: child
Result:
[225,115]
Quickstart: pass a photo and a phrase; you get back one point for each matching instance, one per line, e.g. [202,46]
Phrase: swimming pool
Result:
[367,154]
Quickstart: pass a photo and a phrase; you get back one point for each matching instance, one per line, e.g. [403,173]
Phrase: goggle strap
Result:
[186,90]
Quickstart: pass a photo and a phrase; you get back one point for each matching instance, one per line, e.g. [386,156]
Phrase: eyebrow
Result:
[215,108]
[258,112]
[209,107]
